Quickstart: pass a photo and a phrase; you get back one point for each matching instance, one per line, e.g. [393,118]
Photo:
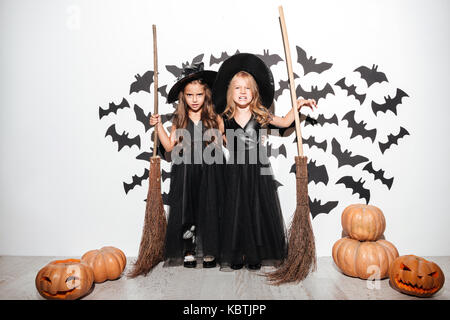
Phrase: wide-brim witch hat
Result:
[190,73]
[243,62]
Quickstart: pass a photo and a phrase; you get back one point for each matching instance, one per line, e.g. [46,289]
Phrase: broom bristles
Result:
[301,257]
[151,250]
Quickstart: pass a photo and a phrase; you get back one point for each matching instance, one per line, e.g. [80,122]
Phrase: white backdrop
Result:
[62,180]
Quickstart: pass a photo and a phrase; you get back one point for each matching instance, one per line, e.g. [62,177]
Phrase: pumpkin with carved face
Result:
[64,280]
[416,276]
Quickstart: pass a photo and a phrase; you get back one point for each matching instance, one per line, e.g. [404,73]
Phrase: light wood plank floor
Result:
[17,275]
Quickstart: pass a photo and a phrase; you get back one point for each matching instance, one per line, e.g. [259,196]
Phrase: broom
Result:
[151,250]
[301,257]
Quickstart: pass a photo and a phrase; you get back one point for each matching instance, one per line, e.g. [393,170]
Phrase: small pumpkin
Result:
[363,222]
[357,259]
[107,263]
[68,279]
[416,276]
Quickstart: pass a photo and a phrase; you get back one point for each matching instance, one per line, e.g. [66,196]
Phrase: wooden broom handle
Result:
[287,52]
[155,91]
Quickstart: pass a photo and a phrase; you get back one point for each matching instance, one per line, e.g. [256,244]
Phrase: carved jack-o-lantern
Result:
[416,276]
[64,279]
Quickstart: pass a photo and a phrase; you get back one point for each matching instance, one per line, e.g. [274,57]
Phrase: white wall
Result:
[61,179]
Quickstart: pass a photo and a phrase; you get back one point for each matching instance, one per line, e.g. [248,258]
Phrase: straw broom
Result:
[301,257]
[151,250]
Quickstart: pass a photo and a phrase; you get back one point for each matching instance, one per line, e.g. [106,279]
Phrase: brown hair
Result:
[208,116]
[262,115]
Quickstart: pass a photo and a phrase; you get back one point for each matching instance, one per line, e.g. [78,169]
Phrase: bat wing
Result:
[174,70]
[165,175]
[379,175]
[316,207]
[359,129]
[144,156]
[316,173]
[136,181]
[356,187]
[142,117]
[345,158]
[393,139]
[323,93]
[114,107]
[142,83]
[371,76]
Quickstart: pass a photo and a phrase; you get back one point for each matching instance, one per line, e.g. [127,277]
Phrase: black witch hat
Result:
[191,72]
[243,62]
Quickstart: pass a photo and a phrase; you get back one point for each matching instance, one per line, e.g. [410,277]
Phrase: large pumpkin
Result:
[416,276]
[363,222]
[107,263]
[362,259]
[64,280]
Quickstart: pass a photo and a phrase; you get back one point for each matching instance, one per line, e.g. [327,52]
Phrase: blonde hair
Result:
[261,113]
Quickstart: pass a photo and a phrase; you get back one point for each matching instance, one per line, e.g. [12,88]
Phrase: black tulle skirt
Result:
[252,226]
[195,199]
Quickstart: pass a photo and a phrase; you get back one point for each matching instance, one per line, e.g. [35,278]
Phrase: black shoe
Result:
[254,267]
[209,264]
[190,264]
[236,266]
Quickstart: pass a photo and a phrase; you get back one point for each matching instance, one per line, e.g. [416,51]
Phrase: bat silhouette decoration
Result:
[269,59]
[142,83]
[176,71]
[165,198]
[277,184]
[283,85]
[311,142]
[165,175]
[345,158]
[351,90]
[224,56]
[316,207]
[163,91]
[142,117]
[309,64]
[321,120]
[136,181]
[356,187]
[389,103]
[275,152]
[393,139]
[371,76]
[359,128]
[122,139]
[113,108]
[316,173]
[314,93]
[379,175]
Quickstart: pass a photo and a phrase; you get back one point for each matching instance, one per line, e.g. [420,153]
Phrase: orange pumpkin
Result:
[64,280]
[363,222]
[360,259]
[107,263]
[416,276]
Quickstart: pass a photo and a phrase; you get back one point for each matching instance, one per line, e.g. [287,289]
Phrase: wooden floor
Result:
[17,275]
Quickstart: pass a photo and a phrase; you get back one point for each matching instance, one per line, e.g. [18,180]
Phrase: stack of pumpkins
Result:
[72,279]
[362,253]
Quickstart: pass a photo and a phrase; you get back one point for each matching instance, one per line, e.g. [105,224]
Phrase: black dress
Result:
[252,226]
[195,197]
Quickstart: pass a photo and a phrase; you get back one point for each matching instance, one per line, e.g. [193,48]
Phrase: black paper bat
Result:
[359,128]
[224,56]
[122,139]
[165,175]
[351,90]
[311,142]
[145,156]
[276,152]
[309,64]
[269,59]
[142,117]
[113,108]
[317,173]
[379,175]
[277,184]
[314,93]
[345,158]
[389,103]
[371,75]
[356,187]
[321,120]
[284,85]
[142,83]
[176,71]
[163,91]
[165,198]
[316,207]
[393,139]
[136,181]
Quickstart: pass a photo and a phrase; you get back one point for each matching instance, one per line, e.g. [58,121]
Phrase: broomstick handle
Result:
[155,91]
[287,52]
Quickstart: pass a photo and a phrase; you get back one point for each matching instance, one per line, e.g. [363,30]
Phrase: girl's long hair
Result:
[262,115]
[208,116]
